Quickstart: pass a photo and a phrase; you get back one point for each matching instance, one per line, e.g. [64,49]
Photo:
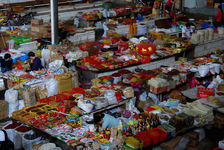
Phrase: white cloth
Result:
[2,136]
[187,31]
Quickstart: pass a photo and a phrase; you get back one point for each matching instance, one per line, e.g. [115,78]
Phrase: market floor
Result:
[213,136]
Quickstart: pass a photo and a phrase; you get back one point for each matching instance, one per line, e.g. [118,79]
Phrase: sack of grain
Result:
[29,96]
[210,34]
[4,111]
[64,82]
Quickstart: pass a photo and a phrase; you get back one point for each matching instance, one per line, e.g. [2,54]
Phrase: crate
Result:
[205,92]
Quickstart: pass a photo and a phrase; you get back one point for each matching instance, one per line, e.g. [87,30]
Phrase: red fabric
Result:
[169,3]
[219,16]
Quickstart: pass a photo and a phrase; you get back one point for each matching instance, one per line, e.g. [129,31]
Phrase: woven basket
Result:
[64,82]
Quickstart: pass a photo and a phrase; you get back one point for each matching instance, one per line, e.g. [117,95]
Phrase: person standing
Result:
[186,31]
[169,5]
[219,17]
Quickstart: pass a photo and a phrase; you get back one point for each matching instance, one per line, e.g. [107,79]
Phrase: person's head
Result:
[31,55]
[7,56]
[188,25]
[98,119]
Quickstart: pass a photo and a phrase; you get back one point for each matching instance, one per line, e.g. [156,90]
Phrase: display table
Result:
[124,29]
[88,75]
[208,47]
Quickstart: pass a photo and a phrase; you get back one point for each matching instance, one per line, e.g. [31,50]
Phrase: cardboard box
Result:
[37,22]
[54,48]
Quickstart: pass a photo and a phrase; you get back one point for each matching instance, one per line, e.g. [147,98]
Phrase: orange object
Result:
[157,35]
[164,11]
[130,29]
[134,28]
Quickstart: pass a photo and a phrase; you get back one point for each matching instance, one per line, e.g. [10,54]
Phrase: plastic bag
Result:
[11,131]
[37,144]
[110,96]
[13,107]
[11,96]
[2,84]
[100,102]
[56,64]
[203,70]
[29,96]
[21,104]
[154,98]
[87,107]
[52,87]
[131,107]
[47,146]
[201,132]
[45,53]
[18,138]
[143,97]
[28,143]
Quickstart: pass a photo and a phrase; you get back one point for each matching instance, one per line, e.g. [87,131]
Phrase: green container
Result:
[107,5]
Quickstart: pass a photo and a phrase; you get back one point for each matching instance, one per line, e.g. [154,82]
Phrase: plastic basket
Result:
[205,92]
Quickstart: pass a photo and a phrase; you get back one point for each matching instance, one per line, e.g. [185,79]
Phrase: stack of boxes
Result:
[39,29]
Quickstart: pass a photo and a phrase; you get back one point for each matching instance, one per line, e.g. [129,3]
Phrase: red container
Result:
[158,135]
[145,137]
[205,92]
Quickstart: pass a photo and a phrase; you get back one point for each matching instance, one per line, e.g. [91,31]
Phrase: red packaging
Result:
[44,100]
[205,92]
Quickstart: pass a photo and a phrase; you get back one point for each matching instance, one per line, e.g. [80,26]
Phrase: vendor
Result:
[169,5]
[5,143]
[219,17]
[35,62]
[6,63]
[186,31]
[106,121]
